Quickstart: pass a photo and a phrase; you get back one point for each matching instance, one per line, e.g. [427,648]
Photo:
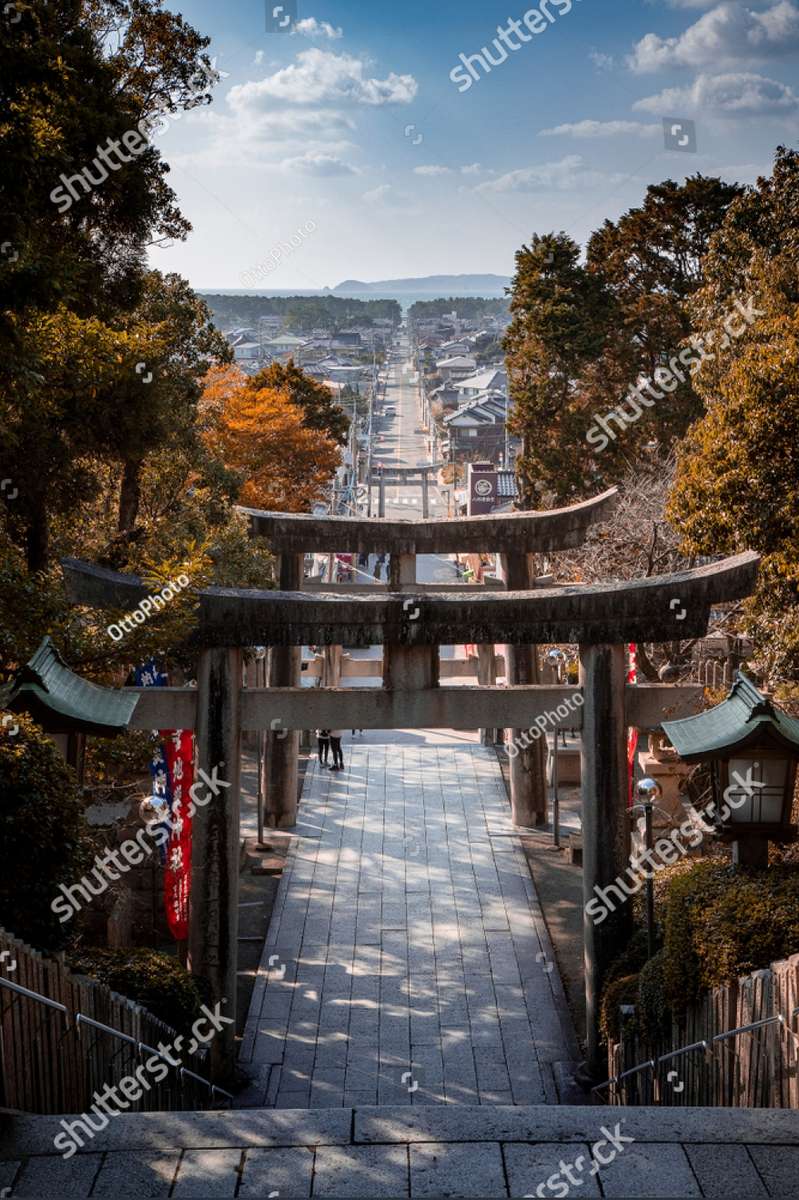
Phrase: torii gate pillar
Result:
[528,787]
[214,898]
[606,832]
[283,746]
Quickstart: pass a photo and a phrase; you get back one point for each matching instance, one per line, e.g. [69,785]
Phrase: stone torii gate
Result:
[515,537]
[601,619]
[385,476]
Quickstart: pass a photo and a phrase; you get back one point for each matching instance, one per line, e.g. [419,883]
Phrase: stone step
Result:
[402,1124]
[442,1150]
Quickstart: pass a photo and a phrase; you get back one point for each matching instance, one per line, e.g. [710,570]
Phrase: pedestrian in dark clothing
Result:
[335,746]
[323,742]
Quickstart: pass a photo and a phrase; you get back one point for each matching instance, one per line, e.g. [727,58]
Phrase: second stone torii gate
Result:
[514,536]
[386,476]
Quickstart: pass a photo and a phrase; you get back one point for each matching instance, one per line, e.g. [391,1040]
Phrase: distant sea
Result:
[405,299]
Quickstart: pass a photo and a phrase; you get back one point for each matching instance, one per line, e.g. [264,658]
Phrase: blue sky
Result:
[349,133]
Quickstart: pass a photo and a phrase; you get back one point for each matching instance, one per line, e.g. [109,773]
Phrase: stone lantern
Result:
[752,748]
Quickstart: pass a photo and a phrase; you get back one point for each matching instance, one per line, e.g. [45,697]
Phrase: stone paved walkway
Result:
[407,961]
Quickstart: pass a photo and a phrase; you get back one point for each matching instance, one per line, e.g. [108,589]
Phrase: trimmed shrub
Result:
[722,922]
[654,1013]
[621,990]
[155,980]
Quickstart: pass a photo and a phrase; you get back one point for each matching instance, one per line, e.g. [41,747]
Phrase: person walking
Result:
[323,742]
[335,746]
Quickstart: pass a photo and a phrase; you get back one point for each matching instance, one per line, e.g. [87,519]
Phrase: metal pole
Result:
[650,882]
[555,797]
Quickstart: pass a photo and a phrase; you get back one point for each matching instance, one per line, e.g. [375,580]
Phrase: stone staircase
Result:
[430,1151]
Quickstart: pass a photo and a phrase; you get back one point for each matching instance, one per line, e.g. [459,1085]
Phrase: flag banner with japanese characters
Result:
[179,755]
[632,734]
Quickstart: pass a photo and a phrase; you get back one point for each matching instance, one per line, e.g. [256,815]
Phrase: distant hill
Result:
[436,285]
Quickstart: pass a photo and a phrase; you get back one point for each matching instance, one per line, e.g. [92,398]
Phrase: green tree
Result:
[76,76]
[559,314]
[42,831]
[737,484]
[650,263]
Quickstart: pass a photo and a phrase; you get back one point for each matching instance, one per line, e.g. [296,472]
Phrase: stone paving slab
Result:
[439,1169]
[55,1177]
[650,1170]
[728,1171]
[286,1172]
[361,1171]
[408,914]
[136,1174]
[208,1173]
[540,1166]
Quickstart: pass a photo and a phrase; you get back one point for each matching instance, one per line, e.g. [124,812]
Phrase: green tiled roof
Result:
[744,718]
[62,702]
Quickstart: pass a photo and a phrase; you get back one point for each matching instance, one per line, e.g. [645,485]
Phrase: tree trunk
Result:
[129,496]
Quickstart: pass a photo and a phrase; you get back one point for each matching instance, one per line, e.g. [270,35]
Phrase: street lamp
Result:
[752,747]
[649,792]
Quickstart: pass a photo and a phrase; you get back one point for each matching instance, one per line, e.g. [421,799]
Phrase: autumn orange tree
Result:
[259,433]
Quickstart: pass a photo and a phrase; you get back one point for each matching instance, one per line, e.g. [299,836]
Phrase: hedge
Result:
[157,981]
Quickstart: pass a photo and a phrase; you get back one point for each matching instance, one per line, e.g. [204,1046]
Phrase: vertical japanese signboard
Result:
[179,755]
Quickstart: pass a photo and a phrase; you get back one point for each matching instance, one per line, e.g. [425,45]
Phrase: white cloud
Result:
[737,94]
[472,169]
[310,27]
[601,60]
[602,129]
[432,170]
[250,123]
[322,77]
[565,175]
[385,196]
[320,165]
[259,58]
[729,34]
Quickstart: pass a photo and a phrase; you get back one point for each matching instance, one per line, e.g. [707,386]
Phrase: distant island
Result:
[435,285]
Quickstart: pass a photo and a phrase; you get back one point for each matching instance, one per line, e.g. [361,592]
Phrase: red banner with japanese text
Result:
[632,734]
[179,755]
